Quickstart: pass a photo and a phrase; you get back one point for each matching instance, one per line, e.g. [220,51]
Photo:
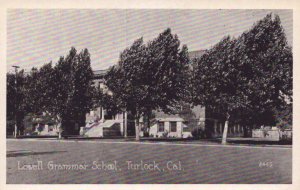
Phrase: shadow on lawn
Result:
[261,142]
[166,139]
[245,141]
[29,153]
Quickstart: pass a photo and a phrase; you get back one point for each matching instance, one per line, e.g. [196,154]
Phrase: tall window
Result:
[173,126]
[161,126]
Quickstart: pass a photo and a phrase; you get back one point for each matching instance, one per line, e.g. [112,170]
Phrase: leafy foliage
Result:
[15,104]
[150,77]
[249,77]
[217,79]
[268,63]
[73,87]
[64,91]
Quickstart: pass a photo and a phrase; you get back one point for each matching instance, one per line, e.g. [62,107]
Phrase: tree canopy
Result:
[150,76]
[247,77]
[64,90]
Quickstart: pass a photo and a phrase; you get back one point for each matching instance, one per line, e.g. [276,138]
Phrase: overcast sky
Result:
[35,37]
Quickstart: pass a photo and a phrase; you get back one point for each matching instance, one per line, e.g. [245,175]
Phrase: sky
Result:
[38,36]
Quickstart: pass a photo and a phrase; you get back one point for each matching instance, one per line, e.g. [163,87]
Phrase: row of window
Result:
[161,126]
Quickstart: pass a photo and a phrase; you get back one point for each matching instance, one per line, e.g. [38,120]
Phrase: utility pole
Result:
[16,89]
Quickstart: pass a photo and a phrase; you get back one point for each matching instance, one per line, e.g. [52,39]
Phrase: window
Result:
[161,126]
[173,126]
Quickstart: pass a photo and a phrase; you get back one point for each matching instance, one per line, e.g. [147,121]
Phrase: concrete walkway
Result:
[252,142]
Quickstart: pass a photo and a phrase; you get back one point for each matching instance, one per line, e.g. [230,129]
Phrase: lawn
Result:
[109,162]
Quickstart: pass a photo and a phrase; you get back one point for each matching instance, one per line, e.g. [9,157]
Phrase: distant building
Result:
[196,54]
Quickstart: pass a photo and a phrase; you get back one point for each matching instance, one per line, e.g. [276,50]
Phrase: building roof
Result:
[196,54]
[187,113]
[99,74]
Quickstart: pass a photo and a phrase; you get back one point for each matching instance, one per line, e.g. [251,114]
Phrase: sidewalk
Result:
[259,142]
[238,141]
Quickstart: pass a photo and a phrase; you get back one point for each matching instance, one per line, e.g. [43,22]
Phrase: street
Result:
[113,162]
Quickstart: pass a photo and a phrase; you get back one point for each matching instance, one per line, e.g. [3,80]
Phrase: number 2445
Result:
[266,164]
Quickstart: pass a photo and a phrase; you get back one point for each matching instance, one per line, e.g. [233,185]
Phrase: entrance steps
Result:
[106,129]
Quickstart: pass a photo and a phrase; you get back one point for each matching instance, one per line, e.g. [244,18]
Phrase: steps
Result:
[94,131]
[106,129]
[113,130]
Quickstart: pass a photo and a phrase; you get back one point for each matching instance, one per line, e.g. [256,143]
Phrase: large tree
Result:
[38,89]
[150,77]
[266,59]
[32,94]
[16,106]
[217,81]
[246,77]
[73,90]
[64,91]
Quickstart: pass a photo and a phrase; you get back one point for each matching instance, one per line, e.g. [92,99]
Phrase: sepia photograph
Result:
[149,96]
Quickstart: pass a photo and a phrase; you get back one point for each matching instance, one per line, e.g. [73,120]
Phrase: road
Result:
[113,162]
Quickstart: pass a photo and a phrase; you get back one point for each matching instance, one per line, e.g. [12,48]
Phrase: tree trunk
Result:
[125,124]
[60,129]
[148,119]
[16,126]
[16,130]
[137,129]
[225,131]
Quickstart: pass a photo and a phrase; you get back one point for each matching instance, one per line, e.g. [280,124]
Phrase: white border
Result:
[152,4]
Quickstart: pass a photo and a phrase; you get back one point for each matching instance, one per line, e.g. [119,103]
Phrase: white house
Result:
[169,127]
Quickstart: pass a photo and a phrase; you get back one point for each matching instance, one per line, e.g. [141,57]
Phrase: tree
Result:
[166,72]
[267,63]
[15,104]
[62,88]
[82,91]
[10,94]
[64,91]
[124,80]
[248,76]
[73,89]
[38,89]
[149,77]
[104,98]
[217,81]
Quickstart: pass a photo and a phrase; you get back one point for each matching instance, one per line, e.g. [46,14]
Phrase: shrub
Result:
[197,133]
[165,134]
[146,134]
